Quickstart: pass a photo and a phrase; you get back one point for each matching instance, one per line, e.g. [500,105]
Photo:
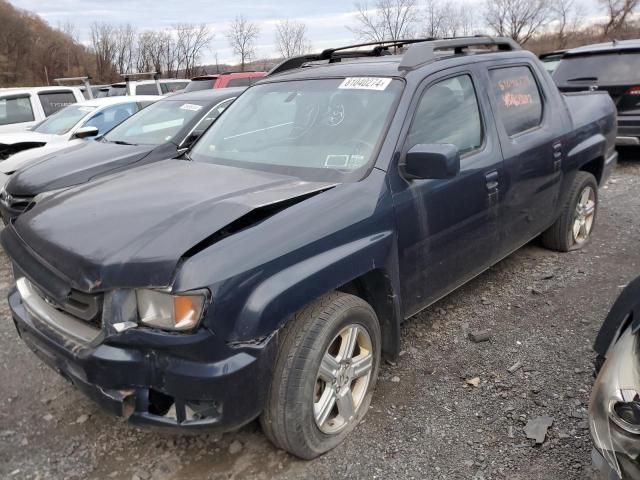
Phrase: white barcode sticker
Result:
[192,107]
[365,83]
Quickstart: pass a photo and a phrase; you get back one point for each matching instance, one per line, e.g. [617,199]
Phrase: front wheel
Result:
[324,376]
[572,230]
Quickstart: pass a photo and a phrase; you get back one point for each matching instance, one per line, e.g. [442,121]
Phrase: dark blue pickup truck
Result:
[268,272]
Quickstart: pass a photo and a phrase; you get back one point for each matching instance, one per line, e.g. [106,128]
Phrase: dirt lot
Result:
[543,309]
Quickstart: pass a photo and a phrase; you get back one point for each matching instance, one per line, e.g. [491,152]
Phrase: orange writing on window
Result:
[510,100]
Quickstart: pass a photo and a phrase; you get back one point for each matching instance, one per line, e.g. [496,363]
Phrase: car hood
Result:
[72,166]
[131,229]
[26,137]
[29,157]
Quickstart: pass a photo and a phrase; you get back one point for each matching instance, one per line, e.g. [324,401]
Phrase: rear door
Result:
[448,229]
[531,124]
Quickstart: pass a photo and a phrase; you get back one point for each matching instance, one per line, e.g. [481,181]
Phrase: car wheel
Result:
[572,230]
[324,376]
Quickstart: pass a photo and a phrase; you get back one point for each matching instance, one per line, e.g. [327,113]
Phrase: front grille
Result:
[82,306]
[15,202]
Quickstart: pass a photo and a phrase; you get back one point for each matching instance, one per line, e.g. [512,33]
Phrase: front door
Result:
[447,229]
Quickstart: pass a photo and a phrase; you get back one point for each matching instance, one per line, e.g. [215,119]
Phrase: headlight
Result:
[615,391]
[170,312]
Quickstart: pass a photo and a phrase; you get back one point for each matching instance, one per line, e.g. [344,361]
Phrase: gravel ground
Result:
[542,308]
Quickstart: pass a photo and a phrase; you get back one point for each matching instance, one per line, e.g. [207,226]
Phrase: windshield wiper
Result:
[583,79]
[120,142]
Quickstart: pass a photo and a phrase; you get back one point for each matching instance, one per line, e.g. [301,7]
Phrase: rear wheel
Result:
[324,376]
[572,230]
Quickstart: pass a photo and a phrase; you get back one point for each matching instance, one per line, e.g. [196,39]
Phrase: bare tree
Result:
[291,38]
[242,36]
[103,41]
[618,12]
[387,20]
[433,21]
[192,40]
[567,19]
[518,19]
[125,36]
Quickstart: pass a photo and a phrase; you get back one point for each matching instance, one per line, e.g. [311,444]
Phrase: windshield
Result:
[605,69]
[158,123]
[319,130]
[64,120]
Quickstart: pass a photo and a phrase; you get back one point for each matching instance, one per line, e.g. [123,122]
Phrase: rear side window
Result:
[448,113]
[606,69]
[54,101]
[518,97]
[15,110]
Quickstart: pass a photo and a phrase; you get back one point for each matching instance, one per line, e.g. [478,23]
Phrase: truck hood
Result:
[72,166]
[131,229]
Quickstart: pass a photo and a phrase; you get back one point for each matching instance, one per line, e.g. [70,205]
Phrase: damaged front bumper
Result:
[192,381]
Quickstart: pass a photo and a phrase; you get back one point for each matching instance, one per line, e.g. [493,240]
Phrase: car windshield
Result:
[64,120]
[613,68]
[158,123]
[318,130]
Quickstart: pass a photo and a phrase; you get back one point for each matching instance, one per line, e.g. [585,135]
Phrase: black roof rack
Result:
[421,51]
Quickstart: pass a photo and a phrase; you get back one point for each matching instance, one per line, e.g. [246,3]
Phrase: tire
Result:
[562,236]
[293,418]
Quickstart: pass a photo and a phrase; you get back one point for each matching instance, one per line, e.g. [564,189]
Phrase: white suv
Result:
[21,108]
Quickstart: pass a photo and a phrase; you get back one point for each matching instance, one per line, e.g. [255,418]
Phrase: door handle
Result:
[492,181]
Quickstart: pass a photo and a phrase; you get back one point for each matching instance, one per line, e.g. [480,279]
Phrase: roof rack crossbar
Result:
[425,51]
[86,81]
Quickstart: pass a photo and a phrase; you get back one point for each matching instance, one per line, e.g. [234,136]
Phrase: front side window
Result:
[448,112]
[323,130]
[158,123]
[55,101]
[15,110]
[518,98]
[212,115]
[109,117]
[61,122]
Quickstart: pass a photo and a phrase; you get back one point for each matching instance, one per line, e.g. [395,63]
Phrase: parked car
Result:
[21,108]
[551,60]
[268,276]
[161,131]
[147,87]
[613,67]
[86,119]
[224,80]
[614,408]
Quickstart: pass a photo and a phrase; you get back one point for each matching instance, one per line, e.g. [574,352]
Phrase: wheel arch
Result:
[624,312]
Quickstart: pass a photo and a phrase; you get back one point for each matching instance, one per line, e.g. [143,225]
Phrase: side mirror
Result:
[86,132]
[431,161]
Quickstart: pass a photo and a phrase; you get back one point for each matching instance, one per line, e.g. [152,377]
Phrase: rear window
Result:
[54,101]
[605,69]
[147,89]
[240,82]
[196,85]
[15,110]
[518,98]
[170,87]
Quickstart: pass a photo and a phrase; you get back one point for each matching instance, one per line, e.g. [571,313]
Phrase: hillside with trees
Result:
[33,53]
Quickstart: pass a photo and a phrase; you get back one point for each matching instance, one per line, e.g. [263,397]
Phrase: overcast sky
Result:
[326,20]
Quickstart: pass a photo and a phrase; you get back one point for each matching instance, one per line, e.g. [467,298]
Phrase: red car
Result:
[222,80]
